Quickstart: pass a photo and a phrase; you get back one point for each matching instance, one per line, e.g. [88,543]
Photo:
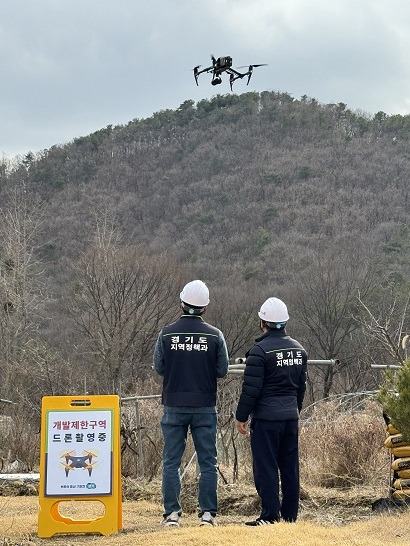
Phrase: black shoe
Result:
[260,521]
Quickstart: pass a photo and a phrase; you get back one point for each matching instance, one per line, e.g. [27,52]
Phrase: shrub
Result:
[395,398]
[343,448]
[20,442]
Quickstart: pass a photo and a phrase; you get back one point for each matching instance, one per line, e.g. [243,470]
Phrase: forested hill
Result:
[231,183]
[254,193]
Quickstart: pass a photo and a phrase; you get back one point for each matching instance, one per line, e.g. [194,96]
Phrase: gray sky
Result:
[71,67]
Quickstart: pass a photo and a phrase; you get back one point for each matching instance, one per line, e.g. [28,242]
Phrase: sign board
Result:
[80,460]
[79,453]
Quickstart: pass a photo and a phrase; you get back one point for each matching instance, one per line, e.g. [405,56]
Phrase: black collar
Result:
[271,332]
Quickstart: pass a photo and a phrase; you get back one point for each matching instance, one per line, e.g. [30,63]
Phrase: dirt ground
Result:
[326,517]
[239,502]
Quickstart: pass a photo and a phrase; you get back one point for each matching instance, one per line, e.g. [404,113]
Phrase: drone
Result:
[224,64]
[73,461]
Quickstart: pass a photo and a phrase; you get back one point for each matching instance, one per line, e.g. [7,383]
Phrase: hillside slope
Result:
[250,177]
[258,194]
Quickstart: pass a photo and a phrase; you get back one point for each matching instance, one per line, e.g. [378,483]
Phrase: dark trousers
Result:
[275,456]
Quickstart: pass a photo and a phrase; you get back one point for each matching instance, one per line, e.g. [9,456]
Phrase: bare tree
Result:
[329,309]
[121,300]
[387,328]
[234,312]
[20,286]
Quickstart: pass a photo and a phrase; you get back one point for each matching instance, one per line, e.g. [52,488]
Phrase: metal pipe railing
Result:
[386,366]
[7,401]
[239,364]
[142,397]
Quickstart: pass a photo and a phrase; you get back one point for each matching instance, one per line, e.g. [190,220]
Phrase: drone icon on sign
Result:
[73,461]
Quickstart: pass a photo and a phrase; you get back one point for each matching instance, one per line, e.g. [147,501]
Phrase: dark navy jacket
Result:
[190,354]
[274,381]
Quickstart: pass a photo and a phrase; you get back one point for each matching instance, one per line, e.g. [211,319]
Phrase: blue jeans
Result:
[203,429]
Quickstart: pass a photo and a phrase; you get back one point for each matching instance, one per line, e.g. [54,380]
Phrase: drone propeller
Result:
[67,466]
[251,66]
[67,454]
[89,453]
[88,466]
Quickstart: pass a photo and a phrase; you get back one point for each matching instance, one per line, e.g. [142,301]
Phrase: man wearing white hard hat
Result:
[190,355]
[272,395]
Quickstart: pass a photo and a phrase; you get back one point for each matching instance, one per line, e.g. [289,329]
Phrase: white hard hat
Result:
[195,293]
[274,310]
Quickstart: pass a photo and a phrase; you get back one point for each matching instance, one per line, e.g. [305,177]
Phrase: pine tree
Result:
[395,398]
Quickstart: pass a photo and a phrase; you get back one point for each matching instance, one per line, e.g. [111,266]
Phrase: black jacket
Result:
[190,354]
[274,381]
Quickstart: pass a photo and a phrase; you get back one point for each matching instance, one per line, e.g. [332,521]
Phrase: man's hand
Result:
[242,427]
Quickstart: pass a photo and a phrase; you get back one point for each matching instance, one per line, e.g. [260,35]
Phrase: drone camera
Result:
[216,81]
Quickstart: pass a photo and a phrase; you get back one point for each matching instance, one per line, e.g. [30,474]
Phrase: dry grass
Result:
[18,526]
[344,468]
[342,449]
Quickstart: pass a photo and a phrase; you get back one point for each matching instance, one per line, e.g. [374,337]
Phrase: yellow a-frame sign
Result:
[80,459]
